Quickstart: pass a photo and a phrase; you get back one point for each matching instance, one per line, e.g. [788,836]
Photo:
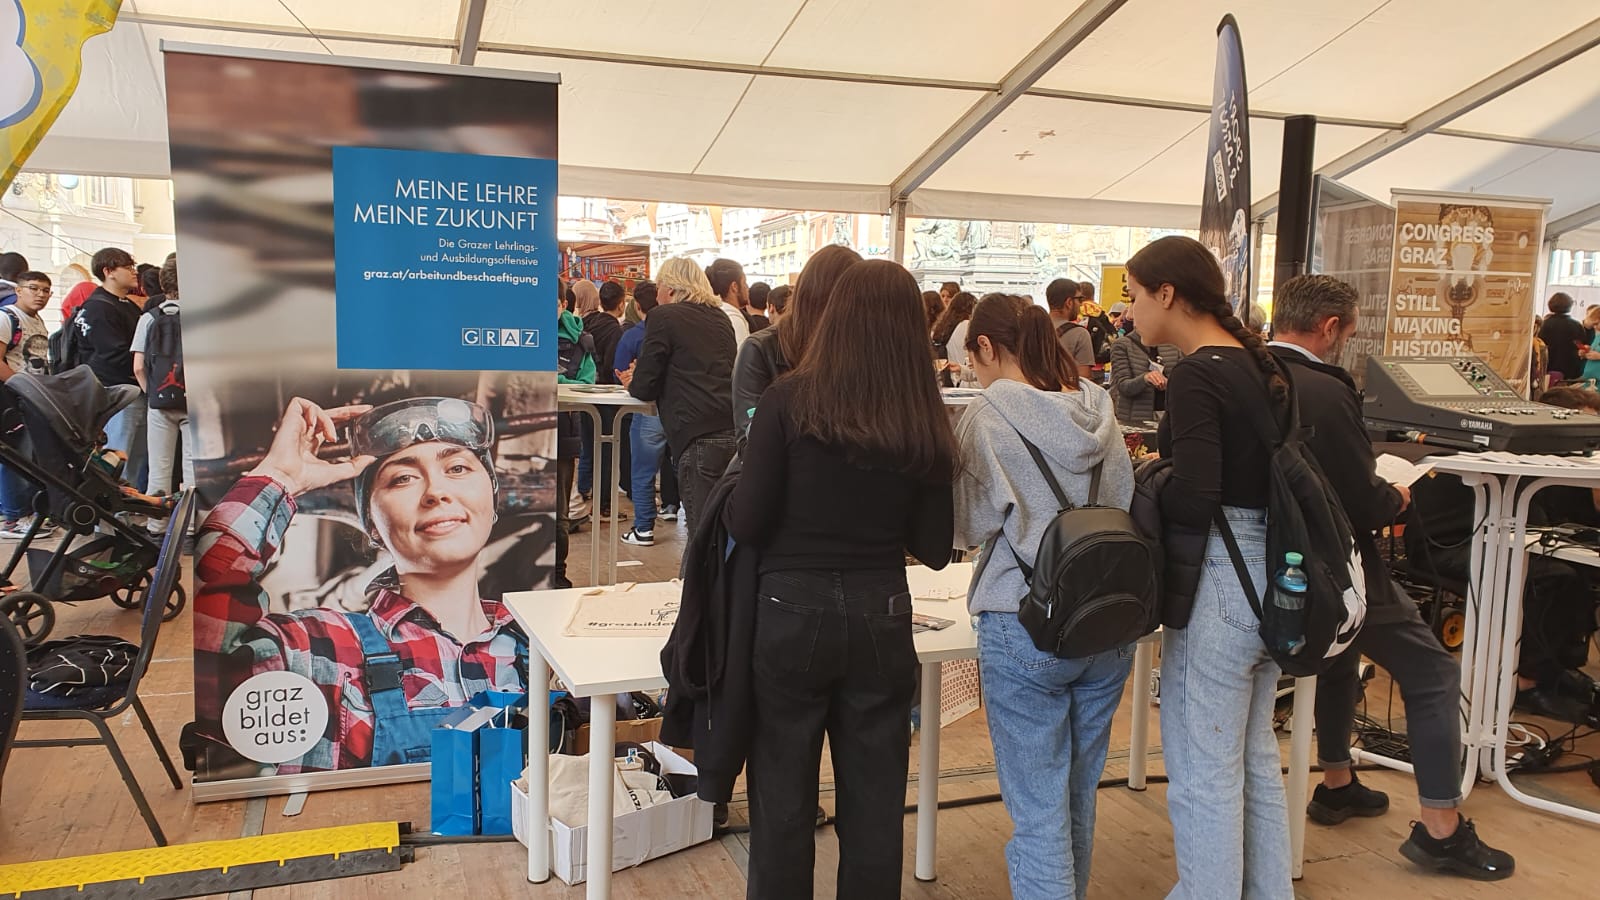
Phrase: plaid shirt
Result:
[235,637]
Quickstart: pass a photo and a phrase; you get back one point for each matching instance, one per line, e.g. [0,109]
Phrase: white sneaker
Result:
[639,538]
[668,514]
[18,529]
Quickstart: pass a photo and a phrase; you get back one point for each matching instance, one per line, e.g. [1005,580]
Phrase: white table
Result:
[1504,486]
[588,400]
[601,668]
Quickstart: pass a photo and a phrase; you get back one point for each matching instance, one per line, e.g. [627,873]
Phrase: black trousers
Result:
[566,471]
[833,655]
[669,480]
[699,466]
[1430,685]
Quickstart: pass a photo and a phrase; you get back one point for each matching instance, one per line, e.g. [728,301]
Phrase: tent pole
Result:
[897,231]
[1067,36]
[469,30]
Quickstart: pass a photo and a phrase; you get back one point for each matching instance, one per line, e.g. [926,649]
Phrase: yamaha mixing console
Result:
[1461,402]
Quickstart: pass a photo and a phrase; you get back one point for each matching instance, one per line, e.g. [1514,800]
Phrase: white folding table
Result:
[588,399]
[601,668]
[1504,486]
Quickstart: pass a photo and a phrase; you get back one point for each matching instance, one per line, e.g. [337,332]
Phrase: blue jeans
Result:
[125,432]
[1230,823]
[1050,723]
[16,494]
[608,421]
[649,441]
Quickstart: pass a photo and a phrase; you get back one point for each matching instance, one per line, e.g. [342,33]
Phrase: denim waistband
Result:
[1244,514]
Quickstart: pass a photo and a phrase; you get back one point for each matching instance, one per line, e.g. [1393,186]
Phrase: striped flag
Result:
[41,44]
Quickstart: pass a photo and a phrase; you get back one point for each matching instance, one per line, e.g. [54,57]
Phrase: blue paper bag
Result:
[455,786]
[502,755]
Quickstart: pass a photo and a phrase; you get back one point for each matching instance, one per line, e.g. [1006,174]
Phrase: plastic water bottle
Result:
[1289,596]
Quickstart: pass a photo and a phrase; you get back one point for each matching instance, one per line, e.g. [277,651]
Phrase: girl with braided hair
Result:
[1230,823]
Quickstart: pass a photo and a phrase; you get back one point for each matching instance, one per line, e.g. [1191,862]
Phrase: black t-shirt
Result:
[1562,335]
[806,506]
[109,323]
[1209,434]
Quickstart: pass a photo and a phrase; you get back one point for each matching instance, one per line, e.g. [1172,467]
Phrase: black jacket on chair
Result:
[1330,406]
[707,660]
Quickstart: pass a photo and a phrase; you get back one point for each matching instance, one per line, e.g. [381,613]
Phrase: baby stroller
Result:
[51,431]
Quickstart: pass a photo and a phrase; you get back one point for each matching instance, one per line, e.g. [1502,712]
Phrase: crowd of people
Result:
[834,480]
[765,423]
[124,326]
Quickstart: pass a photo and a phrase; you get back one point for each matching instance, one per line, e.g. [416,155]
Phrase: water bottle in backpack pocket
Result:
[1283,622]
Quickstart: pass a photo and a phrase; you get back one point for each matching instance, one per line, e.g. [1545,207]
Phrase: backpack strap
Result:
[1270,430]
[1237,557]
[1055,488]
[1049,476]
[16,325]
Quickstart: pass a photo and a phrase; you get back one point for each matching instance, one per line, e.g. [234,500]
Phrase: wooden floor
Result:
[69,802]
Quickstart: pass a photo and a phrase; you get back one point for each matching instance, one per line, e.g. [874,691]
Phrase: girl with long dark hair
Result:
[1049,718]
[947,333]
[848,468]
[1218,684]
[768,354]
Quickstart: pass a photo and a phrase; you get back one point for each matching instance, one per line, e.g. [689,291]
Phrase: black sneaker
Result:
[639,538]
[560,582]
[1330,806]
[1462,853]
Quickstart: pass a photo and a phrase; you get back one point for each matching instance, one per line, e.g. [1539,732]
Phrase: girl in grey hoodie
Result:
[1049,718]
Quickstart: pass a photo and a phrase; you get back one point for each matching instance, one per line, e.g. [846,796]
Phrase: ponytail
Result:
[1025,331]
[1197,280]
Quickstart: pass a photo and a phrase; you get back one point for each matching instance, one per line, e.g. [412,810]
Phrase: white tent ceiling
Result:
[1023,109]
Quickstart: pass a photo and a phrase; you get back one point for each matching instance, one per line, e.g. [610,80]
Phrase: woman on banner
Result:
[425,489]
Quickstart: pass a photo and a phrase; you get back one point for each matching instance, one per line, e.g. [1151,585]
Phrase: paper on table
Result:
[941,593]
[1395,470]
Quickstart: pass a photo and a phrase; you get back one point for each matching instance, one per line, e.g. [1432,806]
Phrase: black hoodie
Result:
[607,333]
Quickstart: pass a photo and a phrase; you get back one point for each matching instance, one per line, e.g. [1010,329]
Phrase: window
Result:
[103,192]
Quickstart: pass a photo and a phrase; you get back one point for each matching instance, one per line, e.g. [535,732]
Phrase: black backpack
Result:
[163,360]
[1304,516]
[67,346]
[1094,584]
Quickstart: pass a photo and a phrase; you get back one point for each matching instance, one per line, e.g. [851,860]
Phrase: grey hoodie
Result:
[1003,501]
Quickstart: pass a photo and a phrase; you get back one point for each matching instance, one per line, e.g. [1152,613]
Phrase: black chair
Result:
[13,685]
[101,711]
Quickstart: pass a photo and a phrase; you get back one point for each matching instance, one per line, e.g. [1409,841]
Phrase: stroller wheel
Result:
[132,596]
[175,603]
[33,615]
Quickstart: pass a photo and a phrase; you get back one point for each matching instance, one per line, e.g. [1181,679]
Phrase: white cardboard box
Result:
[636,837]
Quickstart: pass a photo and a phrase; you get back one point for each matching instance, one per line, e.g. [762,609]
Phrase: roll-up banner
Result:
[1225,207]
[369,271]
[1465,267]
[1353,241]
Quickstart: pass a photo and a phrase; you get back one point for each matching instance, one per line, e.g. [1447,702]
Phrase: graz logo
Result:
[1477,424]
[500,337]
